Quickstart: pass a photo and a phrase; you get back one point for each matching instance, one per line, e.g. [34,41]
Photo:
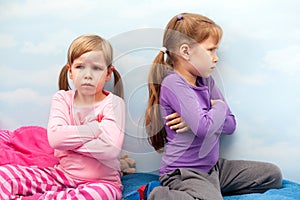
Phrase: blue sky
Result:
[257,72]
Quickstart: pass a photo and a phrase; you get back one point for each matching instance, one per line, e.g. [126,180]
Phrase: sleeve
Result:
[108,144]
[230,122]
[61,133]
[195,109]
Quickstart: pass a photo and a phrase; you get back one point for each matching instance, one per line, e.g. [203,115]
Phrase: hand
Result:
[214,101]
[175,122]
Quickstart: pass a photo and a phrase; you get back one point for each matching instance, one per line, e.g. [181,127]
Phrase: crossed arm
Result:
[101,139]
[175,121]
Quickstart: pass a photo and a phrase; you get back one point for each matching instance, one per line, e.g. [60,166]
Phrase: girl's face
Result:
[203,57]
[89,73]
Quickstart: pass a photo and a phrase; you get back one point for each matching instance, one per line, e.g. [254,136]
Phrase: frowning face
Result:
[89,73]
[204,57]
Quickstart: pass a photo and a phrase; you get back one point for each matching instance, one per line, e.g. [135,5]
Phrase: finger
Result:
[177,125]
[181,124]
[174,121]
[184,129]
[174,126]
[172,116]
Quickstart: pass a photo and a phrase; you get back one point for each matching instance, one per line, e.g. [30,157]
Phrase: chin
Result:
[88,92]
[206,75]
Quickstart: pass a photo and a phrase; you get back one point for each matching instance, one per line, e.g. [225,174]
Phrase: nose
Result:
[215,58]
[87,74]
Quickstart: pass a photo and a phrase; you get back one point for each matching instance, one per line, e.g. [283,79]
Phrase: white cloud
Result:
[230,74]
[247,147]
[24,95]
[28,77]
[7,41]
[260,20]
[7,123]
[36,8]
[286,60]
[55,43]
[278,151]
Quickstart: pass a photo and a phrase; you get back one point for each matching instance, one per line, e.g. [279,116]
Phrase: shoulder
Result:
[116,99]
[173,86]
[172,77]
[111,105]
[173,80]
[63,95]
[113,100]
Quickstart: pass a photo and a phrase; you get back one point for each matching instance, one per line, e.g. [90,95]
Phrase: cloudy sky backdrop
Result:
[258,70]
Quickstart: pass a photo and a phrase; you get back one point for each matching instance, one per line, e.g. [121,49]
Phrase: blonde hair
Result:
[82,45]
[186,28]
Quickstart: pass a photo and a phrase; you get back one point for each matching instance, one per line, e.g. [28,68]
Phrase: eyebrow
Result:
[93,64]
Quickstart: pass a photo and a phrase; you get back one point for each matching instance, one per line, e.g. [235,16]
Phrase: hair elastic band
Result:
[179,17]
[163,49]
[112,67]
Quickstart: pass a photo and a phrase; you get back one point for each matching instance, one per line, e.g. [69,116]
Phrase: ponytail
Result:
[154,122]
[118,84]
[63,83]
[185,28]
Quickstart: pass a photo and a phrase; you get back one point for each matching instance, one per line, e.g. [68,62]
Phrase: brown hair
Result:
[84,44]
[185,28]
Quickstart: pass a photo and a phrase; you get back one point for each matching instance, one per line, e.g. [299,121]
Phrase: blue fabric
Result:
[289,191]
[151,185]
[132,182]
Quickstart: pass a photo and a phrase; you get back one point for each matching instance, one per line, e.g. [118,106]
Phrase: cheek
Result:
[101,77]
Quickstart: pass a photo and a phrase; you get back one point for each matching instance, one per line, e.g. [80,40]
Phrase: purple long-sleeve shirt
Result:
[197,148]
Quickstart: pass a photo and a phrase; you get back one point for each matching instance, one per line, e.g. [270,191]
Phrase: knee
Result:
[275,176]
[159,192]
[156,192]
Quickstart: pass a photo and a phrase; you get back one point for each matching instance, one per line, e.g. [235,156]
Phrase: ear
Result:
[108,75]
[184,51]
[70,71]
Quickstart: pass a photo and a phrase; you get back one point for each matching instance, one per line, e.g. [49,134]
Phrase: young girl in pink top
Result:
[86,129]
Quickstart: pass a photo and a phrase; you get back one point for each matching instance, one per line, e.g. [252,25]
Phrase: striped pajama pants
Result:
[22,182]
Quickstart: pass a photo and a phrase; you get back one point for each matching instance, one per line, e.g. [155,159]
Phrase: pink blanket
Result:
[27,145]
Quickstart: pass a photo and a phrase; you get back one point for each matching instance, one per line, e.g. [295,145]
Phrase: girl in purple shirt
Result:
[182,84]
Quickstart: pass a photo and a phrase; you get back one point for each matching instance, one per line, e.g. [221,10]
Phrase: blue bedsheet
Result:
[132,182]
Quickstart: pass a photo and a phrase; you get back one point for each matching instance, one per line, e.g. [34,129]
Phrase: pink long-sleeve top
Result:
[87,140]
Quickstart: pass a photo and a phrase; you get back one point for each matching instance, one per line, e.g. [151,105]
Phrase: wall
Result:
[257,72]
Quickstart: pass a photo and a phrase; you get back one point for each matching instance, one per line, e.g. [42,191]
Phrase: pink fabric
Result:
[87,140]
[27,146]
[50,183]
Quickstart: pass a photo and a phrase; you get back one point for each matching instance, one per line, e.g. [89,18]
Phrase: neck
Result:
[88,100]
[190,78]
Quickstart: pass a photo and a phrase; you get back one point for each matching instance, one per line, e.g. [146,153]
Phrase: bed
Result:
[139,185]
[28,145]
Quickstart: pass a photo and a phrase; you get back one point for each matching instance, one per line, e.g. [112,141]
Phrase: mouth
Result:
[87,85]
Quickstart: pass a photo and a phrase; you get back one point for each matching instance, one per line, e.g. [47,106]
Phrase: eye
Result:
[79,67]
[97,68]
